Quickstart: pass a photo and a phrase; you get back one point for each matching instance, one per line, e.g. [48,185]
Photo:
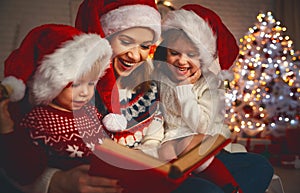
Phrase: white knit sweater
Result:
[193,108]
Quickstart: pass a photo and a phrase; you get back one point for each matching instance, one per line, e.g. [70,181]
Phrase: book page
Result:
[122,156]
[199,154]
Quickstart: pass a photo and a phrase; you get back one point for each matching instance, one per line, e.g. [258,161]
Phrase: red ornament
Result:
[248,109]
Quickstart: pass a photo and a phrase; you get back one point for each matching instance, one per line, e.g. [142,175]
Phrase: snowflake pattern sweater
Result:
[67,138]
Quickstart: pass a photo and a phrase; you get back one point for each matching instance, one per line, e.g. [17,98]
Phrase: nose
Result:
[135,54]
[84,91]
[183,59]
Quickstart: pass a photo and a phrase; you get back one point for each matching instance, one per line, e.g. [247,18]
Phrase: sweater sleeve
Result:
[153,135]
[22,160]
[202,106]
[41,184]
[195,113]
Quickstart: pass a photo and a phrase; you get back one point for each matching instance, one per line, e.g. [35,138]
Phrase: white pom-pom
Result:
[115,122]
[15,87]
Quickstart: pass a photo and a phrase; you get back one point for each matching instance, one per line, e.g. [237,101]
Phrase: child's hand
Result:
[192,79]
[167,151]
[6,123]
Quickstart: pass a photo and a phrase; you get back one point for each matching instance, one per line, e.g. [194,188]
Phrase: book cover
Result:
[138,172]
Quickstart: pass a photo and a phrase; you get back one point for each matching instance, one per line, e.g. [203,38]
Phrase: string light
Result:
[265,92]
[167,4]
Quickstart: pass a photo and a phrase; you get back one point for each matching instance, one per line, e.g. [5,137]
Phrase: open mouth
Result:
[182,70]
[126,64]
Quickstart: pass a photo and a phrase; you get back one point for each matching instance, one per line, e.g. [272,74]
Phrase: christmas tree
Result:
[264,97]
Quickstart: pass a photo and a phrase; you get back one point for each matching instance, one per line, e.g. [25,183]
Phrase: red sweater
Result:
[60,139]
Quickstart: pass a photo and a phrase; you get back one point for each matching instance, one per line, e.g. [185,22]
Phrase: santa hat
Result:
[49,58]
[108,17]
[216,44]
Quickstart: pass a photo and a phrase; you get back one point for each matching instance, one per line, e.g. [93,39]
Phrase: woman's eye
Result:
[125,42]
[145,47]
[173,52]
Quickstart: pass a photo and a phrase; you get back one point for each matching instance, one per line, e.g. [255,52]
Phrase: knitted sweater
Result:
[67,138]
[145,122]
[193,108]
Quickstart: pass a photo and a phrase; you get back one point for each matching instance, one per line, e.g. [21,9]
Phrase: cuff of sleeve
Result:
[41,185]
[150,147]
[185,92]
[152,143]
[150,151]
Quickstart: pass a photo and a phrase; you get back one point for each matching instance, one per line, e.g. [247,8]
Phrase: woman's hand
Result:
[77,180]
[6,123]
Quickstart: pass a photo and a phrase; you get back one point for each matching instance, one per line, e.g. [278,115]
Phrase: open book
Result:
[141,173]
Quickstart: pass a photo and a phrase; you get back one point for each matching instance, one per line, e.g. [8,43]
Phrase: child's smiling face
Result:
[182,58]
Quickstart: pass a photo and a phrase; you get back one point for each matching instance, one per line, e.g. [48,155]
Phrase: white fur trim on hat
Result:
[215,68]
[131,16]
[15,87]
[197,30]
[67,63]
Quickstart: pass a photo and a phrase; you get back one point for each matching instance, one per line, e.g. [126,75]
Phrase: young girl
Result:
[196,45]
[192,95]
[60,66]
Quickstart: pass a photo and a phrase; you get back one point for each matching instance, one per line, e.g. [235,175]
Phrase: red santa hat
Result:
[49,58]
[216,44]
[111,16]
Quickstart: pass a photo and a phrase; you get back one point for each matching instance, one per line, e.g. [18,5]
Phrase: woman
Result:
[131,30]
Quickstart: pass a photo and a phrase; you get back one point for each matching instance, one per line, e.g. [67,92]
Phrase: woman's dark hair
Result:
[160,53]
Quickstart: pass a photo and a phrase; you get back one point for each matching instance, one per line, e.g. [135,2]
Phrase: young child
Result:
[59,66]
[196,47]
[192,94]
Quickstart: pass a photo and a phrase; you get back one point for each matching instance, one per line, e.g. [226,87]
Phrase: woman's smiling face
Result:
[130,49]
